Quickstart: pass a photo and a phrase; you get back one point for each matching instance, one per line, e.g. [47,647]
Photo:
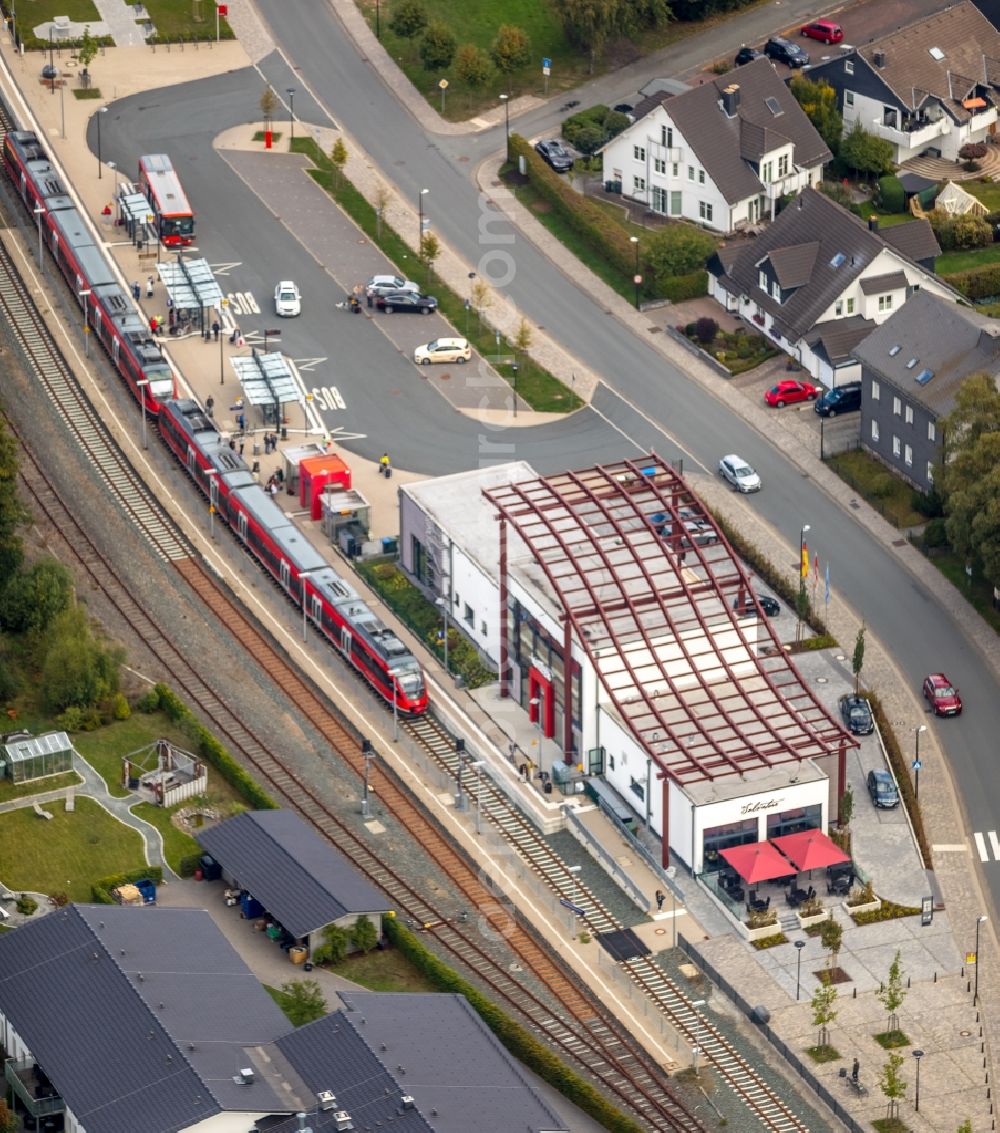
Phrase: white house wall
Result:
[475,603]
[624,761]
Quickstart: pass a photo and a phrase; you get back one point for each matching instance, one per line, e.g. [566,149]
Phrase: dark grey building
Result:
[911,368]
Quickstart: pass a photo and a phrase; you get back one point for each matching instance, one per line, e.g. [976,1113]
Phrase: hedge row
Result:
[514,1037]
[977,283]
[678,288]
[206,745]
[101,889]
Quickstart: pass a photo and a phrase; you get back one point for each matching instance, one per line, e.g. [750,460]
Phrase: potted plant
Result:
[862,899]
[811,912]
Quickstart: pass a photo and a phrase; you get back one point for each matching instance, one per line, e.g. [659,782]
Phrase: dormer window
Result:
[762,279]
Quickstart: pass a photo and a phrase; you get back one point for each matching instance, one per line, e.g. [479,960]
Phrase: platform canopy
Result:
[267,381]
[191,284]
[757,862]
[810,849]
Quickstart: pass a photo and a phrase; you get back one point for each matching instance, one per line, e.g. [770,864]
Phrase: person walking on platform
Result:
[149,287]
[660,898]
[384,466]
[136,290]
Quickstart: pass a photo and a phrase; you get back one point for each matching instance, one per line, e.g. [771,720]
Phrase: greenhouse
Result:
[36,757]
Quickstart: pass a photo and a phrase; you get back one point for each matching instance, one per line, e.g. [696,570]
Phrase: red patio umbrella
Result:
[758,861]
[810,849]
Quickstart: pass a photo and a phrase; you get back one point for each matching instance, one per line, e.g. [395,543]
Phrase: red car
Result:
[789,391]
[942,695]
[826,31]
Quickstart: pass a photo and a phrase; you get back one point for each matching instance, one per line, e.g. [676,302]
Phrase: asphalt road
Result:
[642,394]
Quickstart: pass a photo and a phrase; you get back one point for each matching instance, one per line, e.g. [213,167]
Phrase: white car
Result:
[443,350]
[383,284]
[736,470]
[287,299]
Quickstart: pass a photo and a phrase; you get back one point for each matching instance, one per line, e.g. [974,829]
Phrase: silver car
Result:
[736,470]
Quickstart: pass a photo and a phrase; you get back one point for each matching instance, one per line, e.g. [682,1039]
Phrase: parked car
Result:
[768,604]
[784,51]
[942,695]
[789,391]
[287,299]
[381,284]
[843,399]
[736,470]
[701,534]
[856,713]
[747,55]
[882,789]
[826,31]
[406,301]
[443,350]
[554,153]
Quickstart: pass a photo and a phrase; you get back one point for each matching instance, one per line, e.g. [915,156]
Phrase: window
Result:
[704,210]
[611,763]
[875,431]
[690,172]
[875,391]
[637,789]
[848,98]
[675,169]
[775,290]
[838,308]
[469,615]
[931,431]
[482,629]
[639,153]
[907,455]
[897,406]
[848,66]
[659,199]
[765,172]
[783,165]
[908,415]
[930,472]
[701,176]
[676,202]
[660,164]
[667,136]
[895,446]
[885,302]
[638,184]
[762,280]
[850,306]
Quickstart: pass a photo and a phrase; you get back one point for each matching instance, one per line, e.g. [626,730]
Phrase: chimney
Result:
[873,223]
[878,58]
[731,100]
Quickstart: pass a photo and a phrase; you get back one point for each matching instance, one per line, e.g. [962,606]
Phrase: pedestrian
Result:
[232,443]
[242,422]
[660,898]
[152,324]
[855,1070]
[370,296]
[384,466]
[242,443]
[136,290]
[149,287]
[210,405]
[171,318]
[215,330]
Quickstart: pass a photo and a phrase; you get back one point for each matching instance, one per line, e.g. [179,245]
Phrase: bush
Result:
[26,905]
[705,330]
[929,503]
[882,486]
[589,129]
[837,191]
[957,233]
[770,941]
[891,196]
[588,139]
[473,66]
[936,533]
[438,47]
[977,283]
[972,151]
[408,19]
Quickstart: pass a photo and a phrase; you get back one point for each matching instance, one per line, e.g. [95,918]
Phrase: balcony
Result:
[916,137]
[36,1092]
[790,183]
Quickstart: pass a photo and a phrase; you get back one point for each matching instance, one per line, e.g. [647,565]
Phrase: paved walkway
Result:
[941,169]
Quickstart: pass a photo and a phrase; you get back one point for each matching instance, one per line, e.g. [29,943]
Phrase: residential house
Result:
[818,280]
[912,367]
[927,88]
[722,154]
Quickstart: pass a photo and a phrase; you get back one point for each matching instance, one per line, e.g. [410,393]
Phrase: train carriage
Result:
[32,173]
[79,259]
[126,336]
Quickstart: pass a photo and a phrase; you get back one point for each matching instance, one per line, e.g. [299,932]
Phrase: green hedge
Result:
[681,287]
[977,283]
[101,889]
[514,1037]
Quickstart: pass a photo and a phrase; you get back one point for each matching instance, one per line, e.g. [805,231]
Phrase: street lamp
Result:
[113,166]
[479,764]
[799,945]
[505,99]
[637,278]
[460,756]
[368,753]
[84,296]
[52,66]
[799,603]
[378,21]
[975,993]
[213,497]
[142,383]
[101,110]
[420,210]
[695,1051]
[290,91]
[513,378]
[442,604]
[39,213]
[916,762]
[917,1054]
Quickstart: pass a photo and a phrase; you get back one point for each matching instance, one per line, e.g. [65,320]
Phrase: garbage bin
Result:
[297,954]
[256,448]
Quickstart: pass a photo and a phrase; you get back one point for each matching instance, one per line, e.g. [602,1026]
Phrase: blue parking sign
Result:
[546,62]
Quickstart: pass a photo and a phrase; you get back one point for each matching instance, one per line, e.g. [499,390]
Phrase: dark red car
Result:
[826,31]
[942,696]
[788,392]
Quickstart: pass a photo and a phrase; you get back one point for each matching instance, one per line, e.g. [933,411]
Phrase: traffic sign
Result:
[916,765]
[546,62]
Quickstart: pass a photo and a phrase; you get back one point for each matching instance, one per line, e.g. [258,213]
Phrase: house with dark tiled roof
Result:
[134,1020]
[928,87]
[819,280]
[721,154]
[911,369]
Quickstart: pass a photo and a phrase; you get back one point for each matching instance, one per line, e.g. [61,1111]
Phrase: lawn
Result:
[173,19]
[986,191]
[951,262]
[9,790]
[176,844]
[104,748]
[68,853]
[892,497]
[383,971]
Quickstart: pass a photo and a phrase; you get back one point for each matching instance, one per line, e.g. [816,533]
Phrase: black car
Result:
[768,604]
[406,301]
[784,51]
[555,154]
[882,789]
[747,55]
[625,108]
[843,399]
[856,713]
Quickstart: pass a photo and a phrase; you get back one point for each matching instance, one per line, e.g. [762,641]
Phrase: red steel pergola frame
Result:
[653,592]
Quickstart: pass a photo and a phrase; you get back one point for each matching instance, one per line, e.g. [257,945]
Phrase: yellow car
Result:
[443,350]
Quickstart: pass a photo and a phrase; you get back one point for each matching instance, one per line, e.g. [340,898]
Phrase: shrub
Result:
[409,19]
[936,533]
[977,283]
[473,66]
[972,151]
[882,486]
[588,139]
[770,941]
[837,191]
[891,195]
[929,503]
[438,47]
[26,905]
[705,330]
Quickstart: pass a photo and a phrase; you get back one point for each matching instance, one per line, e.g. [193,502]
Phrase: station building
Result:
[620,619]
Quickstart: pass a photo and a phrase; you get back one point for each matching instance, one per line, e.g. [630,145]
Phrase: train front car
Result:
[29,168]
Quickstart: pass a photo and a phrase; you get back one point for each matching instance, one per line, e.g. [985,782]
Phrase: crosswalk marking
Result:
[990,852]
[981,847]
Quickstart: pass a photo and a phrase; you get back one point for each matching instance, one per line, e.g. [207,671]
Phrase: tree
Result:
[34,597]
[865,153]
[482,299]
[364,935]
[381,204]
[408,19]
[858,660]
[473,66]
[511,50]
[846,807]
[334,946]
[801,608]
[12,512]
[268,105]
[8,1119]
[430,249]
[437,48]
[823,1005]
[87,50]
[9,686]
[524,337]
[302,1001]
[819,101]
[76,669]
[892,993]
[831,935]
[891,1084]
[589,23]
[338,155]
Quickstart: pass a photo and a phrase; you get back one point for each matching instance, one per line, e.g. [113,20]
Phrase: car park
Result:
[382,284]
[769,605]
[782,50]
[406,301]
[739,474]
[826,31]
[554,153]
[882,790]
[443,350]
[287,299]
[840,399]
[788,392]
[856,713]
[747,55]
[942,695]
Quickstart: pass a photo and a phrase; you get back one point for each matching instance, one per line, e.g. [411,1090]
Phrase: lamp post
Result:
[916,761]
[460,756]
[505,99]
[420,212]
[290,91]
[975,994]
[637,278]
[378,21]
[113,166]
[142,383]
[101,111]
[917,1054]
[478,765]
[802,580]
[799,945]
[62,108]
[368,753]
[513,378]
[84,296]
[574,870]
[695,1051]
[52,66]
[213,496]
[442,604]
[39,213]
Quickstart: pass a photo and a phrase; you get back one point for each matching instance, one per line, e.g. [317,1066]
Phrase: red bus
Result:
[161,186]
